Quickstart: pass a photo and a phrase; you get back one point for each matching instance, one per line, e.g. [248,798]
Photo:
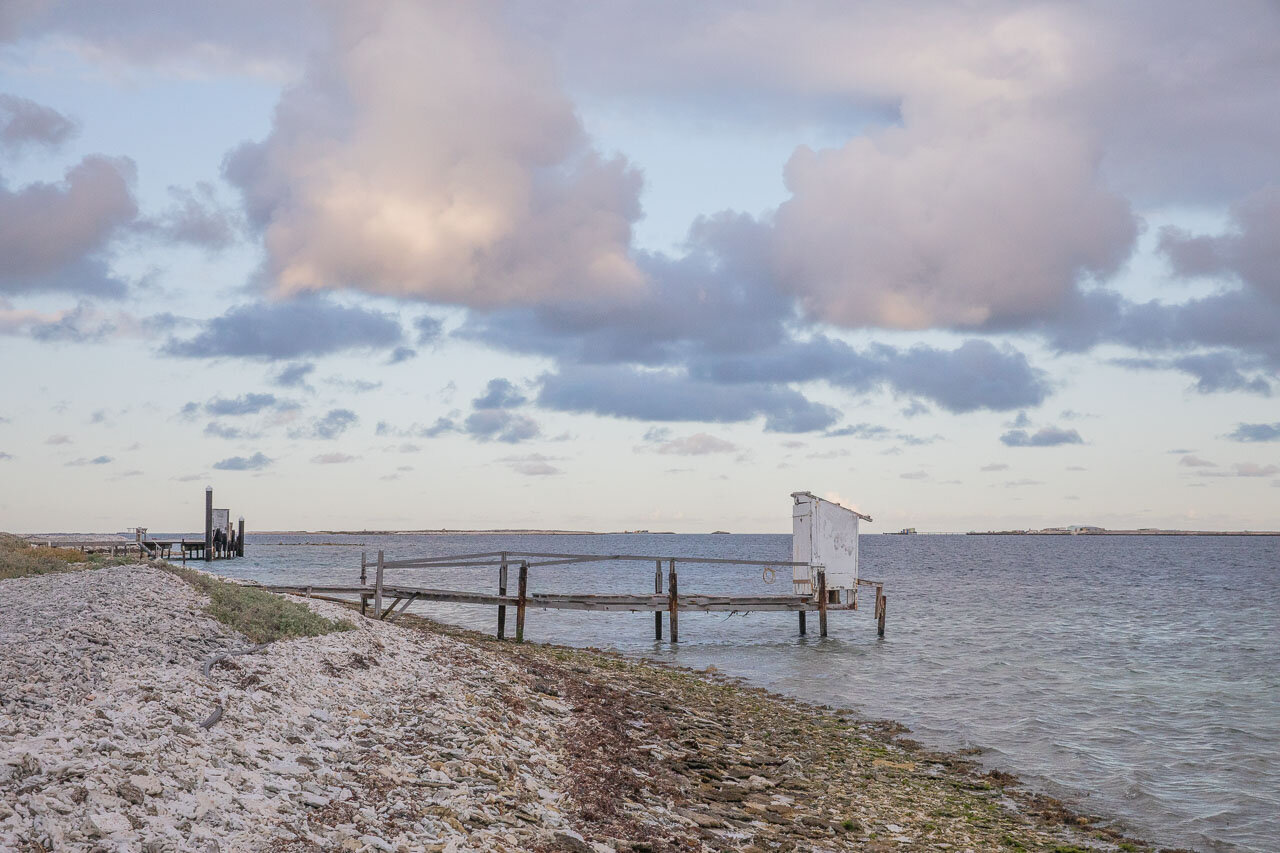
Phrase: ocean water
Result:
[1135,677]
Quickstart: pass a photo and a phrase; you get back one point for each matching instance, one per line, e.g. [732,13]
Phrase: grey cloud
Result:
[429,329]
[195,217]
[332,459]
[1045,437]
[533,465]
[1244,469]
[914,475]
[328,427]
[500,425]
[53,235]
[293,375]
[665,396]
[97,460]
[401,354]
[1213,371]
[246,404]
[217,430]
[995,466]
[1190,461]
[6,456]
[1256,432]
[499,394]
[698,444]
[58,439]
[307,326]
[244,463]
[25,123]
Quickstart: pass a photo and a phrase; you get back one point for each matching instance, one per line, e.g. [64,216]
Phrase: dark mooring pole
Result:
[208,524]
[884,605]
[802,619]
[673,602]
[521,597]
[502,590]
[657,590]
[822,603]
[240,539]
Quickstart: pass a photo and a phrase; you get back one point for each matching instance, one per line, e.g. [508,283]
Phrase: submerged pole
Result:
[208,524]
[364,570]
[657,590]
[884,605]
[521,598]
[240,539]
[673,602]
[502,590]
[377,588]
[822,603]
[802,621]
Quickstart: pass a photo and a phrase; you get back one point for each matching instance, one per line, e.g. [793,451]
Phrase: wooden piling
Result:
[208,524]
[802,621]
[364,569]
[377,588]
[657,590]
[240,539]
[673,601]
[502,608]
[522,594]
[884,605]
[822,603]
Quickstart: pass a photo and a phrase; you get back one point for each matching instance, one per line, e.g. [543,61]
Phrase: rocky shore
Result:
[415,737]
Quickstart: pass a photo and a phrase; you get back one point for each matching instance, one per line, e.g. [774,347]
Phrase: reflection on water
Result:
[1136,677]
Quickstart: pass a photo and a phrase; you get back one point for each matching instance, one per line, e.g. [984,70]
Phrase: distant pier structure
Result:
[222,539]
[824,578]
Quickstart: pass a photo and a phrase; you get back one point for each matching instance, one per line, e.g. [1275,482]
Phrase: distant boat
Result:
[719,532]
[906,531]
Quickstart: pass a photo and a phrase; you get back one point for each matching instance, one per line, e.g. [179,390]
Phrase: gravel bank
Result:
[416,737]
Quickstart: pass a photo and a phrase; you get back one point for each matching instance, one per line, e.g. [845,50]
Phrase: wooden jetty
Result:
[389,600]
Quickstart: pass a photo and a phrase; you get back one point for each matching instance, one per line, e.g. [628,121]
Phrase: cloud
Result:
[429,329]
[54,236]
[24,124]
[401,354]
[195,217]
[294,375]
[698,444]
[307,326]
[500,425]
[244,463]
[1256,432]
[533,465]
[1244,469]
[217,430]
[97,460]
[1045,437]
[58,439]
[1190,461]
[994,466]
[328,427]
[247,404]
[332,458]
[915,475]
[499,394]
[6,456]
[481,190]
[667,396]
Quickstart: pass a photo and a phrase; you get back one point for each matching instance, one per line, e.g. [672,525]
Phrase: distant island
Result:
[1087,530]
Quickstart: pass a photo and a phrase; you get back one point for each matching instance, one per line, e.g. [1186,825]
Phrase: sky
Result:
[604,266]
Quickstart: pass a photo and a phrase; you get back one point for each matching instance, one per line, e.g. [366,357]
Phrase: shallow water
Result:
[1135,677]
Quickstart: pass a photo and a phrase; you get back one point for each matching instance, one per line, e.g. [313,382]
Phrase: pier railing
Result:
[666,595]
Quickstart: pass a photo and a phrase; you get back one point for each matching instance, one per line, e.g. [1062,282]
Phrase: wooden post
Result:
[884,605]
[240,539]
[822,603]
[208,524]
[803,614]
[364,602]
[521,596]
[377,588]
[364,576]
[502,608]
[673,602]
[657,590]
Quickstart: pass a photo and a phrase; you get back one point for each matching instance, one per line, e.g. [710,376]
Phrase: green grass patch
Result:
[260,615]
[20,559]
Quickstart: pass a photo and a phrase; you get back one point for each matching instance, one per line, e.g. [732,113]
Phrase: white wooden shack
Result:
[824,536]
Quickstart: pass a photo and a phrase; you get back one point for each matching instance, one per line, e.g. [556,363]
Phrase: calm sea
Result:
[1137,678]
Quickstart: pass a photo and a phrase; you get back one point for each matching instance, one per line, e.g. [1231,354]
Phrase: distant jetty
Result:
[1102,531]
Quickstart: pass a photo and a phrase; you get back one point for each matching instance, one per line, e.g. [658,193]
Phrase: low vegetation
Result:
[20,559]
[260,615]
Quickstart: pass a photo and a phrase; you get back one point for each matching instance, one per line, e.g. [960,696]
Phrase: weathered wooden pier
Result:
[820,534]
